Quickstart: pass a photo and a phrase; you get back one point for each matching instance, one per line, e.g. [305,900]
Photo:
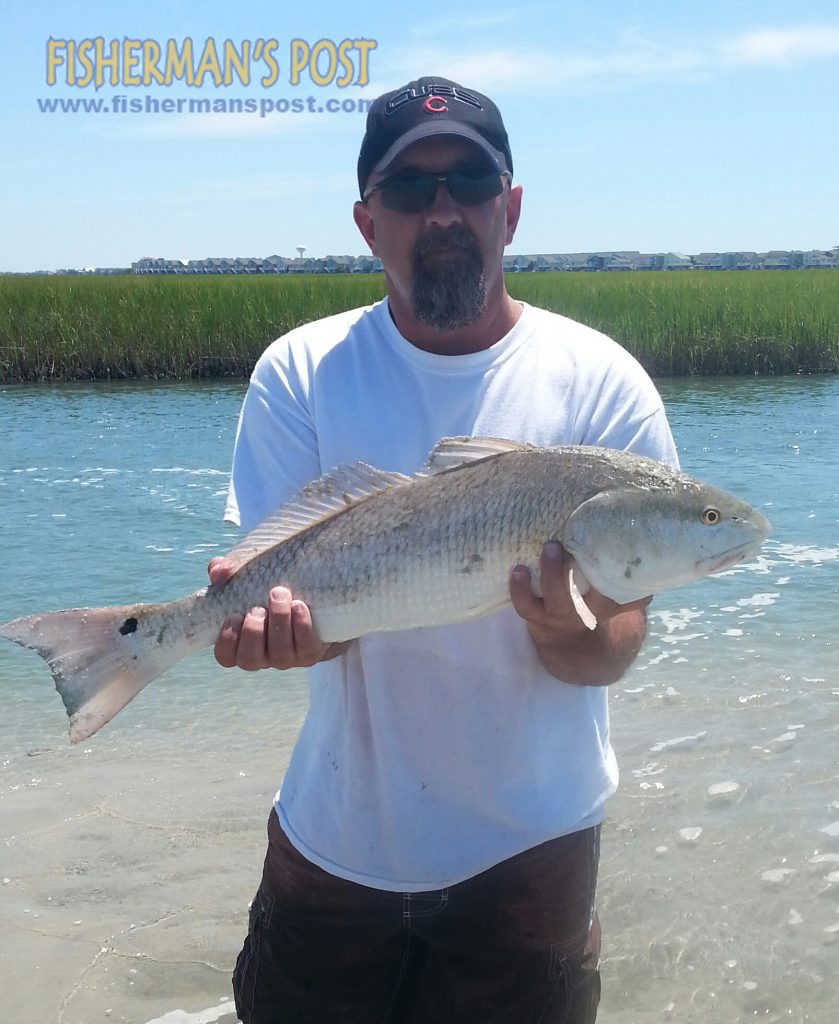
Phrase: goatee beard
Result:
[451,292]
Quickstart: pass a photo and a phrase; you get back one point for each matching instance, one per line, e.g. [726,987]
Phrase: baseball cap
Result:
[430,106]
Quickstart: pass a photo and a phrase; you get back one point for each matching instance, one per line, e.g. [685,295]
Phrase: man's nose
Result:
[444,210]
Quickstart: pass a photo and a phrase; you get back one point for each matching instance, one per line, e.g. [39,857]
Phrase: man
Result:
[433,850]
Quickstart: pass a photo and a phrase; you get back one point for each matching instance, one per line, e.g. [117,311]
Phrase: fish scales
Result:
[430,553]
[416,555]
[370,551]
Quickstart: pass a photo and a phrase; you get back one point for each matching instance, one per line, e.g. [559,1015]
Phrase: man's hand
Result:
[566,647]
[281,635]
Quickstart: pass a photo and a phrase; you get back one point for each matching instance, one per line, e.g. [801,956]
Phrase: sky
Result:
[650,126]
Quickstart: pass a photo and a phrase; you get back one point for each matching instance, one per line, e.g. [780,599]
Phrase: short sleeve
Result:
[276,448]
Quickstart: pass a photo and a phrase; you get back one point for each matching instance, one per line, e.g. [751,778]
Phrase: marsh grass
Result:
[157,327]
[74,328]
[705,322]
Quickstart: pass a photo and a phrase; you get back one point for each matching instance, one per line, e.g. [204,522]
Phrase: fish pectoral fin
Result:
[577,586]
[323,498]
[451,452]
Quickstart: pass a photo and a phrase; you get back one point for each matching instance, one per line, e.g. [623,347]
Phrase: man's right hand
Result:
[281,635]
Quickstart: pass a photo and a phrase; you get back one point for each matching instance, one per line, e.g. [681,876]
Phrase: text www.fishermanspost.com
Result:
[264,106]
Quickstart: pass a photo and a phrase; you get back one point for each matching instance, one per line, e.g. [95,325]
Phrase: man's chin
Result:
[448,289]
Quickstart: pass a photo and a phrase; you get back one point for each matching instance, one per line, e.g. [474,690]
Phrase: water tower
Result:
[300,250]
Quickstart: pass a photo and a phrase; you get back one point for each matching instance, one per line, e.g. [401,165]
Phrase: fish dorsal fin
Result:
[452,452]
[323,498]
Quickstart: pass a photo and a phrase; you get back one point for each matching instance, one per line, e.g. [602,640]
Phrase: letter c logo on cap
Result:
[435,105]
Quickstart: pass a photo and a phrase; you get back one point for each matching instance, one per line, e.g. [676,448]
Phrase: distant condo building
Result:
[540,263]
[255,265]
[575,261]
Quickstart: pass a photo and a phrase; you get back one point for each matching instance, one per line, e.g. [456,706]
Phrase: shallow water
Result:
[719,878]
[719,886]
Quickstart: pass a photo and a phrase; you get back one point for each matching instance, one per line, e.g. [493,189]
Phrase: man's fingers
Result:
[553,584]
[250,654]
[280,639]
[554,567]
[219,570]
[525,603]
[228,641]
[307,643]
[280,636]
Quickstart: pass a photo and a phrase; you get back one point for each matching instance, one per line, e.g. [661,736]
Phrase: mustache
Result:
[455,236]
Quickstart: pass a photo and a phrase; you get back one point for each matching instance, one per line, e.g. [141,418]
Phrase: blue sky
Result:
[654,126]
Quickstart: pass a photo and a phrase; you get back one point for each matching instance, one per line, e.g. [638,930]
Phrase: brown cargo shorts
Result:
[517,944]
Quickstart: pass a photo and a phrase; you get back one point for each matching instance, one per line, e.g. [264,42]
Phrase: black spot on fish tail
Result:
[129,626]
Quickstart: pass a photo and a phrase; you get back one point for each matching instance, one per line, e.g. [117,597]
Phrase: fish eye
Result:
[711,516]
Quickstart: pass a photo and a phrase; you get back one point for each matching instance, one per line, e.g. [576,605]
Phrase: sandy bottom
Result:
[126,880]
[127,863]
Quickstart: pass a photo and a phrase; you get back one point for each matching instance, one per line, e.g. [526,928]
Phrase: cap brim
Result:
[429,130]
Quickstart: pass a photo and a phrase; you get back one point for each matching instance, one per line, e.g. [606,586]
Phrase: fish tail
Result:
[100,658]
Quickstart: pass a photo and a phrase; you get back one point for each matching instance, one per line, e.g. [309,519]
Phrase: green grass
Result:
[705,322]
[70,328]
[678,323]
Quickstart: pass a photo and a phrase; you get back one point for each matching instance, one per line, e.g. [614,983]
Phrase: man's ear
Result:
[513,211]
[364,222]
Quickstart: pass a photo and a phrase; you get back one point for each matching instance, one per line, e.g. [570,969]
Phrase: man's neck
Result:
[499,320]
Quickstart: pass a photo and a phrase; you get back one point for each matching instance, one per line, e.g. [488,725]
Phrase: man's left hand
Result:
[566,646]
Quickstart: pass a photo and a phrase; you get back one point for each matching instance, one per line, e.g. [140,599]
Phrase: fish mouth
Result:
[725,559]
[757,529]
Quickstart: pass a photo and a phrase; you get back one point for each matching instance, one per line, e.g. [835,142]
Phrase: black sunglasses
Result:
[414,191]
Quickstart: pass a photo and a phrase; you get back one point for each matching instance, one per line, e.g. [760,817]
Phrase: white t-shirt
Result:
[430,755]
